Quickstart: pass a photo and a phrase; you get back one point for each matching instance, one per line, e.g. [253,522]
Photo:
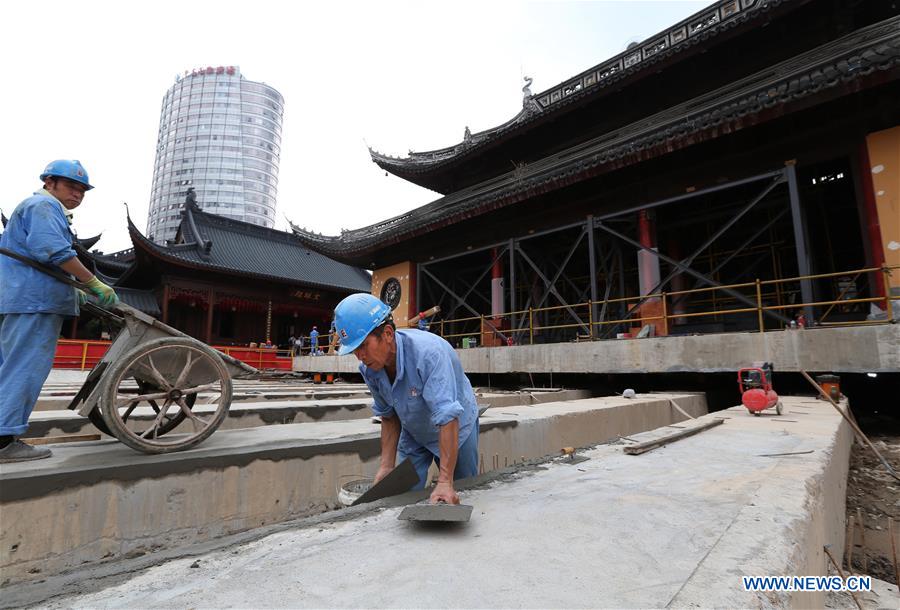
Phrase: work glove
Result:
[82,296]
[106,296]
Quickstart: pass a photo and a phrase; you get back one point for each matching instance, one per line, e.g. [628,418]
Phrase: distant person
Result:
[333,340]
[422,324]
[425,401]
[33,304]
[314,342]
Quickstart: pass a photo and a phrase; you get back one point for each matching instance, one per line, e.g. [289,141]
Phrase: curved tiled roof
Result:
[217,243]
[840,65]
[698,28]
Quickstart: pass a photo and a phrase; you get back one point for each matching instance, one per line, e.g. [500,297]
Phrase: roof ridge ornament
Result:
[190,199]
[530,107]
[467,137]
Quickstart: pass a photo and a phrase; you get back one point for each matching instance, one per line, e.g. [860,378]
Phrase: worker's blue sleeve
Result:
[439,389]
[37,229]
[48,239]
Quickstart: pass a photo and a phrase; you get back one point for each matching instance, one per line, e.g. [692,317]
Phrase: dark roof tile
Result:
[248,249]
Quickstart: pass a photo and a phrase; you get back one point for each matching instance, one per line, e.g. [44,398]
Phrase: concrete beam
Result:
[274,412]
[866,349]
[102,501]
[675,527]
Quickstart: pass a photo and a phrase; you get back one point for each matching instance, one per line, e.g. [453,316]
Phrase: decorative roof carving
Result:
[526,90]
[700,26]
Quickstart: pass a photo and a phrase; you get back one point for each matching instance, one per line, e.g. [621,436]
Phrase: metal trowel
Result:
[400,480]
[436,513]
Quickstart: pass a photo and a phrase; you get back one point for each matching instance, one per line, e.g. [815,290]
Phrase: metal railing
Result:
[511,328]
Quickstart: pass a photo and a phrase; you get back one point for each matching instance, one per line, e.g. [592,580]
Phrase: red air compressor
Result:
[755,384]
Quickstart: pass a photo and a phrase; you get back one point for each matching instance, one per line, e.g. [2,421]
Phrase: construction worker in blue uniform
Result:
[32,304]
[425,401]
[314,341]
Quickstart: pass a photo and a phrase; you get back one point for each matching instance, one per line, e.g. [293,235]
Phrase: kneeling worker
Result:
[425,400]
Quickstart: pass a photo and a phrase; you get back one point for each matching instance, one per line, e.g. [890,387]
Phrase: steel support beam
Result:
[689,271]
[607,270]
[463,303]
[559,271]
[550,288]
[511,247]
[475,283]
[746,244]
[701,192]
[690,259]
[592,260]
[801,241]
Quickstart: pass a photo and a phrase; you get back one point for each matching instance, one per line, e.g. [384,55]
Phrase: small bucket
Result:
[351,490]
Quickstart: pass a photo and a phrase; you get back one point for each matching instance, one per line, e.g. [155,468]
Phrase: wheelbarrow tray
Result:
[136,328]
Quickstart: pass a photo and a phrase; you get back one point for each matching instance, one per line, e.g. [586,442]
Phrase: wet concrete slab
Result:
[675,527]
[102,502]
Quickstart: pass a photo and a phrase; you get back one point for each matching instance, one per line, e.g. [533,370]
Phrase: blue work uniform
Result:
[429,391]
[314,342]
[422,324]
[32,305]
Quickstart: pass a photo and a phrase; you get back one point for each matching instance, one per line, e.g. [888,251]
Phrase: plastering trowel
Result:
[400,480]
[436,513]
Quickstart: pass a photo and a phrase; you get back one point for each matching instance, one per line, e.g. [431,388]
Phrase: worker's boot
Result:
[17,451]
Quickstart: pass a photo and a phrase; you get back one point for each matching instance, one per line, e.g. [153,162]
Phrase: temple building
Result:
[228,282]
[731,172]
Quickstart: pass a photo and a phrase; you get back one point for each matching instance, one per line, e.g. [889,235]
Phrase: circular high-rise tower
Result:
[220,134]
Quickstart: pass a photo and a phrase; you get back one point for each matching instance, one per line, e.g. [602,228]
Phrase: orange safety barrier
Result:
[84,355]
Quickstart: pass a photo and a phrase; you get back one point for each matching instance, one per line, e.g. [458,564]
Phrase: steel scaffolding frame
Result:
[610,260]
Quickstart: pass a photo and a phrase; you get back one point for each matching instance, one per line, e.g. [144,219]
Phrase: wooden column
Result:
[211,297]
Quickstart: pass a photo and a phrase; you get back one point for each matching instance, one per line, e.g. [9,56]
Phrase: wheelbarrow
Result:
[152,368]
[151,364]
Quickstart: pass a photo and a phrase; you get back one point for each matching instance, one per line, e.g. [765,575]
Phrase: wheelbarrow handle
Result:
[56,274]
[47,269]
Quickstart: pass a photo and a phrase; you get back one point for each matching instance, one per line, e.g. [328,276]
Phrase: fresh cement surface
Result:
[676,526]
[84,463]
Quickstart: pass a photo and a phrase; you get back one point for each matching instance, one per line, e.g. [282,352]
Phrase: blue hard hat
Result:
[65,168]
[355,317]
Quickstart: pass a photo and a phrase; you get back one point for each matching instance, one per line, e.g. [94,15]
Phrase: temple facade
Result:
[228,282]
[739,170]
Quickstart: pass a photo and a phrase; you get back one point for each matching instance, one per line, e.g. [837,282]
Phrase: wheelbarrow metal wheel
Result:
[178,379]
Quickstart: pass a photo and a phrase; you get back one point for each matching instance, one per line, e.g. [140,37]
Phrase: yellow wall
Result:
[406,274]
[884,158]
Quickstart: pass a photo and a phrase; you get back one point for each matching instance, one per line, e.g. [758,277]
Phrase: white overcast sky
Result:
[85,80]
